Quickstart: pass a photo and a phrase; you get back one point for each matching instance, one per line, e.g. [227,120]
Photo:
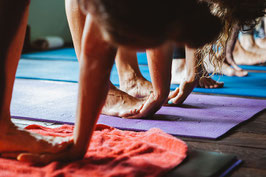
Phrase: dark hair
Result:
[149,23]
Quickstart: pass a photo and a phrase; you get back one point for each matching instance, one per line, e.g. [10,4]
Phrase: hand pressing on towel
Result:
[14,141]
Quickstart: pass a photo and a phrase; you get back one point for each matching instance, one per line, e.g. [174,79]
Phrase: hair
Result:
[149,23]
[231,12]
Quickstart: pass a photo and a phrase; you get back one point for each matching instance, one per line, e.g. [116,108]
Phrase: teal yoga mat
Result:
[66,54]
[253,67]
[253,85]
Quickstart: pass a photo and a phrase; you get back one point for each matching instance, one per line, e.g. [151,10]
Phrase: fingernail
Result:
[170,102]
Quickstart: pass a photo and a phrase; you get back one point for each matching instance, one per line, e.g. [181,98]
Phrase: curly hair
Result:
[231,12]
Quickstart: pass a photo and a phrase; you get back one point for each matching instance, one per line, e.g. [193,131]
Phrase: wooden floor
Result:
[247,142]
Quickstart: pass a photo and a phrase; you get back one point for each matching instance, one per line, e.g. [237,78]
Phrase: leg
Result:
[179,72]
[118,103]
[13,21]
[247,41]
[130,78]
[190,80]
[178,65]
[96,60]
[226,69]
[261,42]
[160,61]
[244,57]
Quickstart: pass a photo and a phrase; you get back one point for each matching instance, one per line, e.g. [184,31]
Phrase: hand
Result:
[179,95]
[150,106]
[70,154]
[15,140]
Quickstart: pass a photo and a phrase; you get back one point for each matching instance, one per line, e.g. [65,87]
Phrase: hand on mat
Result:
[150,106]
[179,95]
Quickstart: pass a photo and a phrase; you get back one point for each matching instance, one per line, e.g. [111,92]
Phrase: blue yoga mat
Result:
[57,54]
[253,85]
[253,67]
[68,54]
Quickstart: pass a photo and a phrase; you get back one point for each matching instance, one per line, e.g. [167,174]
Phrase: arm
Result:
[97,58]
[96,61]
[189,82]
[160,62]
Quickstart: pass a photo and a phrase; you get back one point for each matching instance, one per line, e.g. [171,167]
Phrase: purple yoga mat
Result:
[202,116]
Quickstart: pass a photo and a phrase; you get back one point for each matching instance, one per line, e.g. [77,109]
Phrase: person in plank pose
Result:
[108,25]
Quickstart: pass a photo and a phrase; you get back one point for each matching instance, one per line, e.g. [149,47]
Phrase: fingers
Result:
[59,144]
[173,94]
[40,158]
[182,92]
[179,99]
[152,105]
[45,158]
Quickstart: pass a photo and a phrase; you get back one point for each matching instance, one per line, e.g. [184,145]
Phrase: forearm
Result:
[96,62]
[192,67]
[160,63]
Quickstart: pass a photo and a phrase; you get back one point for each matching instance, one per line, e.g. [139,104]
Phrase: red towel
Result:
[112,153]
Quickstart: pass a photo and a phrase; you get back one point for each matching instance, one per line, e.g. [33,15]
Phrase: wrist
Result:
[162,95]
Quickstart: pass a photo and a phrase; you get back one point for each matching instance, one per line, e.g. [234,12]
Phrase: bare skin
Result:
[248,43]
[189,82]
[243,57]
[14,140]
[96,60]
[229,67]
[118,103]
[94,74]
[261,42]
[160,63]
[225,70]
[179,73]
[130,78]
[121,104]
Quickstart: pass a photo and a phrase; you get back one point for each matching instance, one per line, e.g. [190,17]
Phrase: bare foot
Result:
[14,140]
[226,69]
[121,104]
[243,57]
[207,82]
[179,73]
[136,86]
